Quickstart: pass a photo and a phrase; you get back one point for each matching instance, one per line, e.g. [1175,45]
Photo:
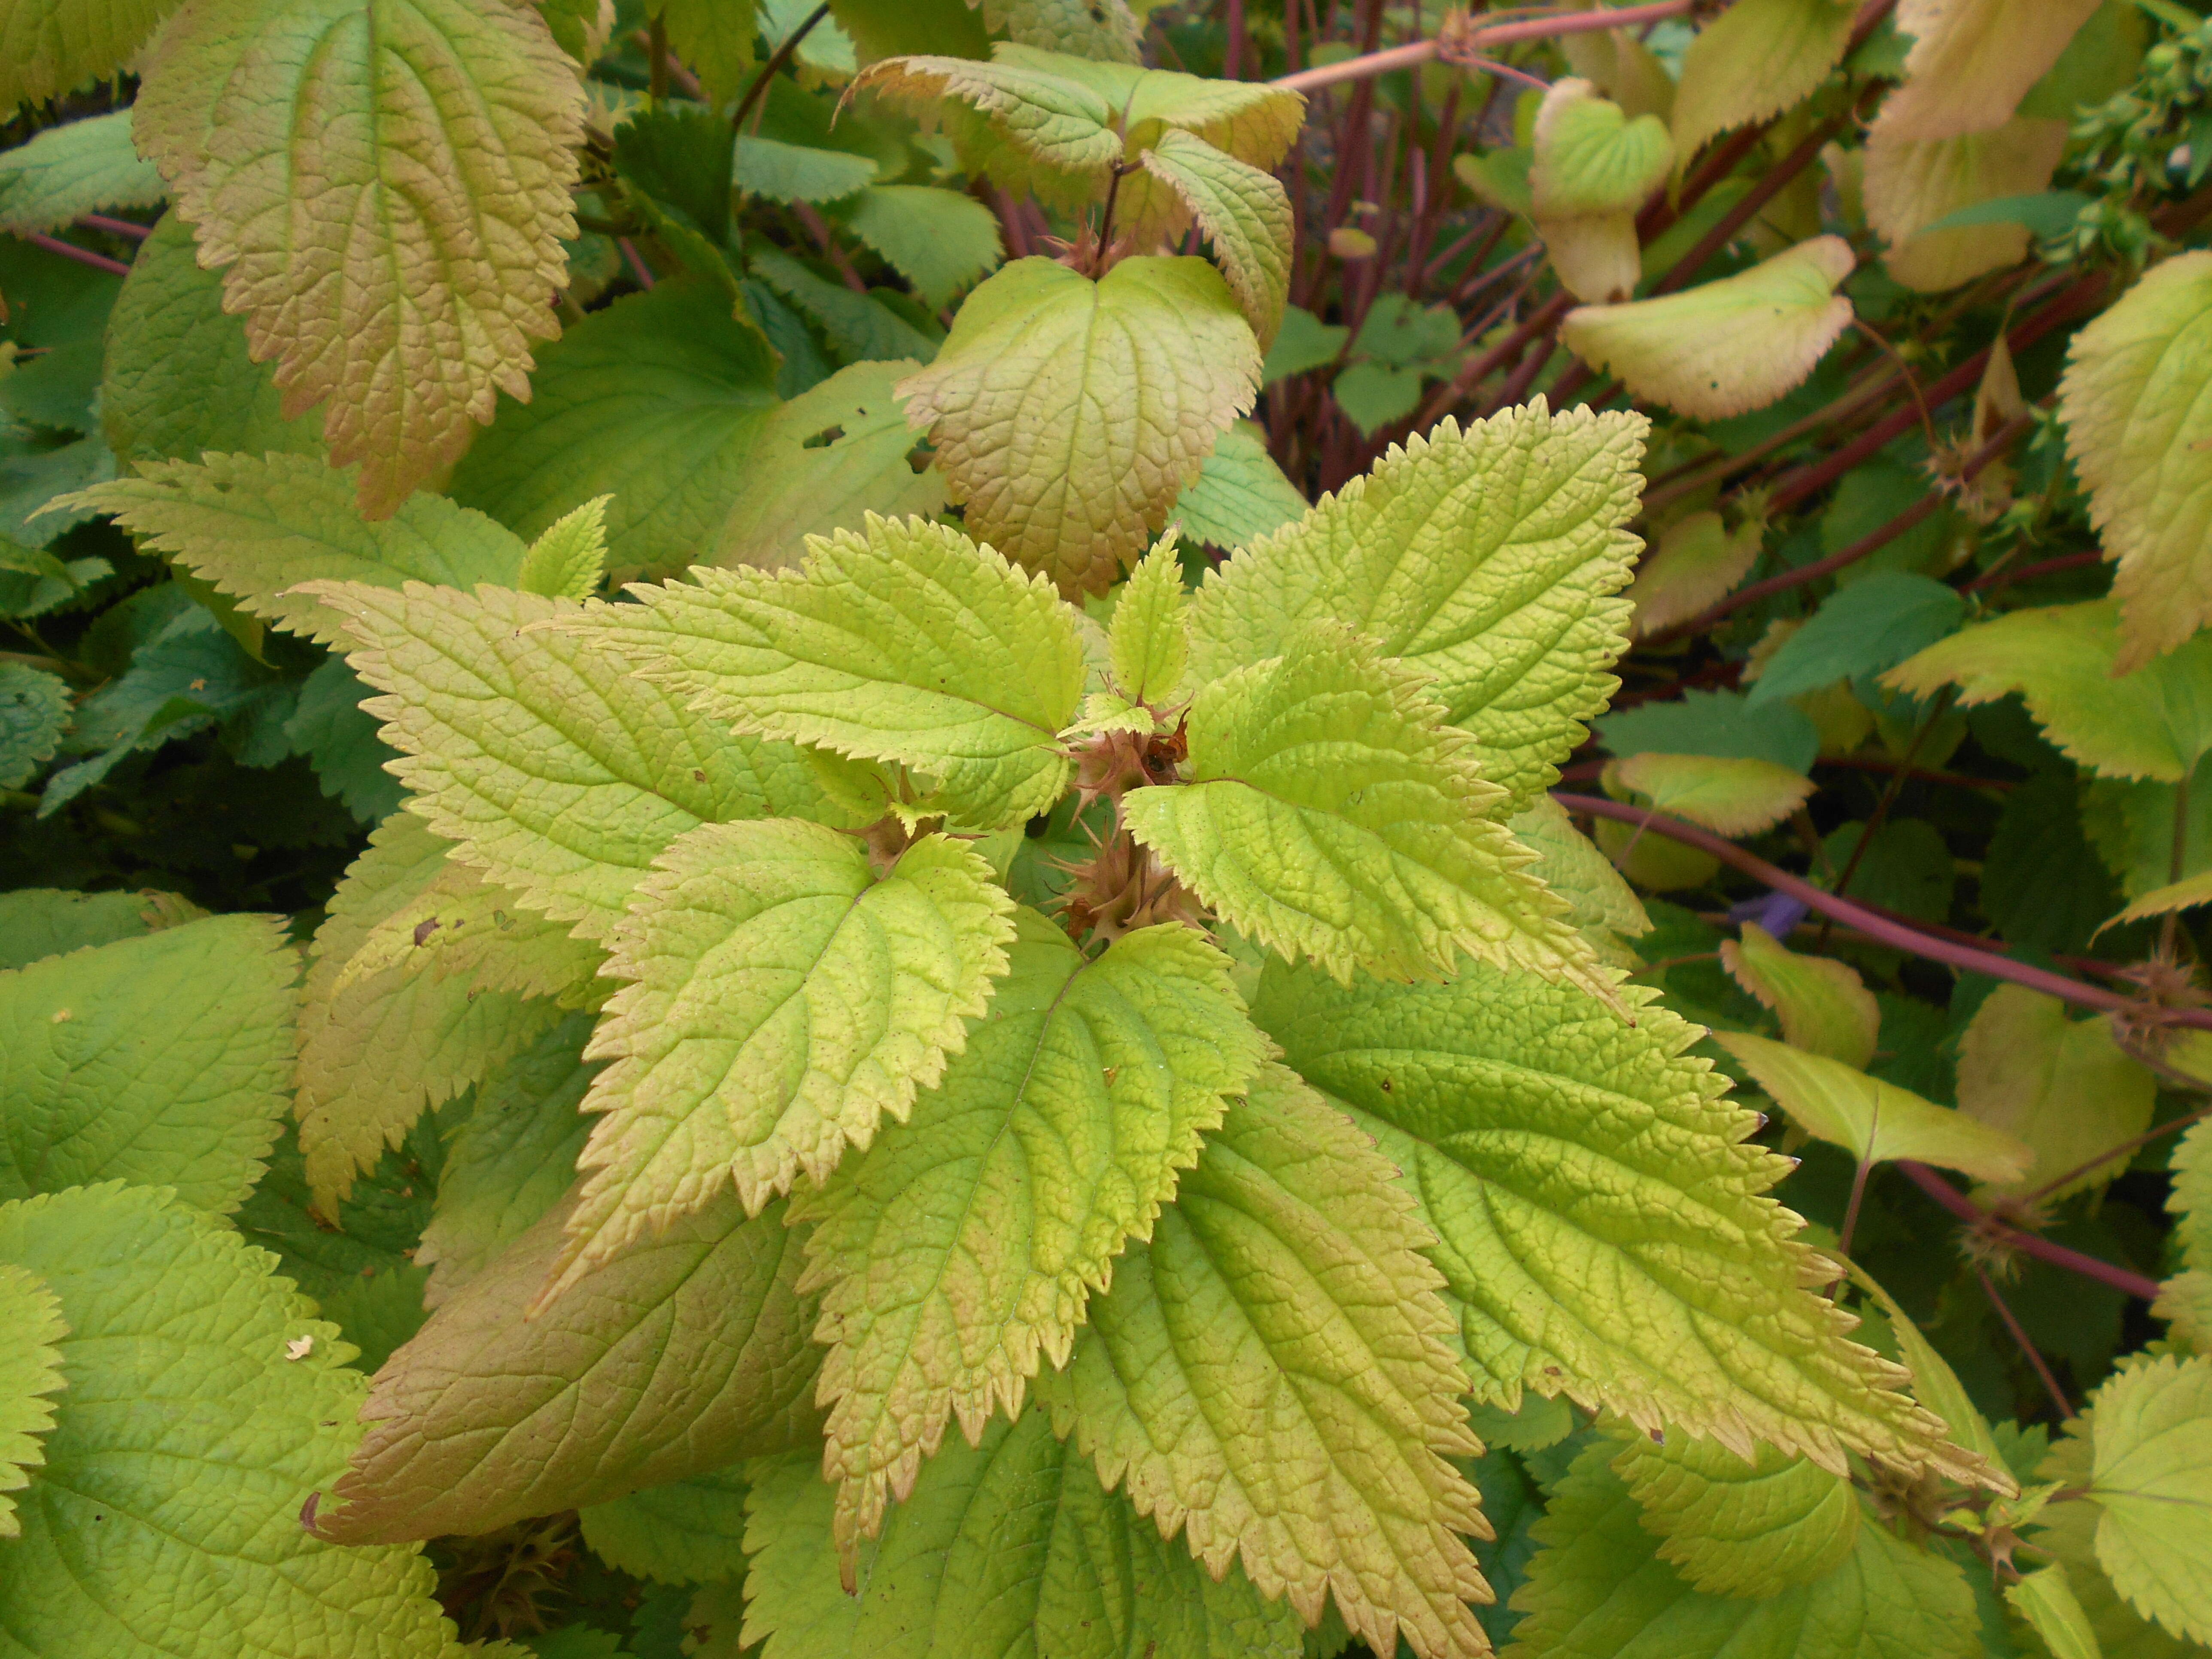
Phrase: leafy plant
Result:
[797,860]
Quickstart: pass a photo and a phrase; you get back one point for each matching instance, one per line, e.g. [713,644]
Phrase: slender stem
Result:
[656,58]
[1890,791]
[2020,1336]
[1537,28]
[114,227]
[781,56]
[638,267]
[1232,67]
[70,251]
[1904,370]
[1777,180]
[2122,1279]
[1858,1196]
[2126,1149]
[1872,923]
[2023,573]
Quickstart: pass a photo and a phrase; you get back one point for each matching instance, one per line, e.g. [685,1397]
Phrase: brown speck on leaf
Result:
[423,930]
[698,776]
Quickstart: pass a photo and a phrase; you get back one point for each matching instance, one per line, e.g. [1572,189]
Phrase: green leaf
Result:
[1872,625]
[777,171]
[1697,563]
[1599,903]
[180,381]
[1973,61]
[2153,721]
[962,1250]
[2184,895]
[1732,797]
[715,38]
[1001,1545]
[1599,1589]
[1603,1228]
[2137,428]
[1306,1437]
[1107,30]
[683,1356]
[1306,343]
[1749,1528]
[86,167]
[367,1238]
[1068,414]
[1244,212]
[905,643]
[1591,158]
[661,400]
[1240,494]
[458,926]
[32,1314]
[162,1060]
[350,300]
[1726,347]
[2045,1599]
[1874,1121]
[2064,1087]
[184,1400]
[1722,724]
[570,559]
[1490,560]
[1754,61]
[258,527]
[2069,1532]
[52,46]
[859,328]
[2045,213]
[1910,185]
[2190,1199]
[783,999]
[37,922]
[941,240]
[679,1532]
[1150,642]
[34,712]
[829,458]
[511,1159]
[1329,814]
[1824,1007]
[2153,1478]
[556,773]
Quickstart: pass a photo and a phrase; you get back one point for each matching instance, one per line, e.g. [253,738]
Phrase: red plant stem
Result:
[638,267]
[1535,29]
[2026,1346]
[114,227]
[1778,178]
[2122,1279]
[2002,577]
[1870,921]
[70,251]
[1538,321]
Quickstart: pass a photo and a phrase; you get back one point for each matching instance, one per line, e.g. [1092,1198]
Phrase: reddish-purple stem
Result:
[2125,1280]
[114,227]
[69,251]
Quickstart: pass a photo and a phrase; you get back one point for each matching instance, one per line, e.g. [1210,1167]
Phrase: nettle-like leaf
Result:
[1824,1006]
[2045,1599]
[256,527]
[52,46]
[680,1532]
[1874,1121]
[1330,813]
[30,1371]
[1568,862]
[1244,212]
[557,773]
[1105,30]
[1738,1527]
[1725,347]
[1150,638]
[1490,559]
[458,926]
[161,1060]
[2103,700]
[2061,1086]
[1307,1436]
[906,643]
[570,561]
[1972,60]
[37,922]
[962,1250]
[1068,413]
[199,1387]
[2152,1477]
[1912,184]
[683,1355]
[389,186]
[34,712]
[1603,1227]
[1599,1588]
[1010,1542]
[1754,61]
[86,167]
[2132,399]
[941,241]
[1697,563]
[2068,1533]
[1240,494]
[784,997]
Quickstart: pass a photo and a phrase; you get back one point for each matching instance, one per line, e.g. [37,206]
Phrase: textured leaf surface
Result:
[963,1247]
[2136,427]
[2153,722]
[557,772]
[86,167]
[1068,414]
[683,1356]
[1871,625]
[1329,814]
[1103,29]
[2069,1532]
[461,926]
[662,400]
[1240,494]
[2063,1086]
[1591,157]
[1002,1546]
[50,46]
[1753,61]
[36,922]
[1490,559]
[31,1370]
[1740,1528]
[1244,212]
[1603,1230]
[1824,1006]
[1150,640]
[1725,347]
[1732,797]
[1569,864]
[256,527]
[1306,1438]
[34,712]
[388,184]
[1912,184]
[1874,1121]
[1972,60]
[2153,1477]
[941,241]
[568,560]
[906,643]
[166,1519]
[783,999]
[1599,1590]
[162,1060]
[680,1532]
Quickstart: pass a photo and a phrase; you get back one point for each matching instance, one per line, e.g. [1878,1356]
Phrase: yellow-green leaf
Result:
[2153,1477]
[1735,1526]
[568,560]
[2184,895]
[1730,797]
[1150,637]
[51,47]
[84,167]
[1753,61]
[1972,60]
[1244,212]
[1591,158]
[2045,1599]
[1696,564]
[30,1370]
[2061,1086]
[1912,183]
[1824,1007]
